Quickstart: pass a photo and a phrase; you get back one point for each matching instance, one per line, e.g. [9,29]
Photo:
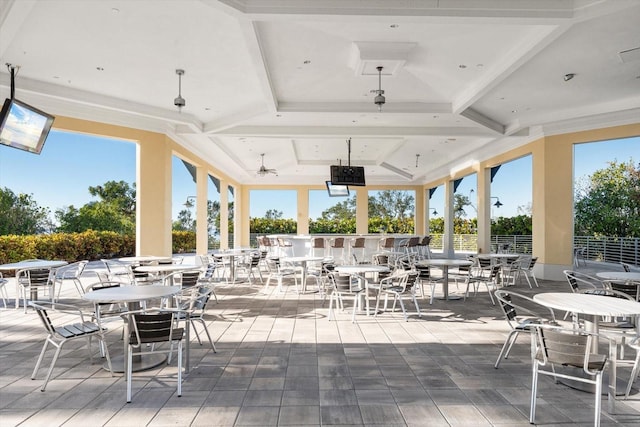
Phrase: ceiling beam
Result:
[364,107]
[373,131]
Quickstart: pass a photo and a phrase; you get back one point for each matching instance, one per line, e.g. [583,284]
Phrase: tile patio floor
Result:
[281,362]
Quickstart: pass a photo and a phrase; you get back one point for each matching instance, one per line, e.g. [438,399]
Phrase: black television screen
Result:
[337,190]
[347,175]
[23,126]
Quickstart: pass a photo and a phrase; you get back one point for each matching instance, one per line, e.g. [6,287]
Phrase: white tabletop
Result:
[595,305]
[302,258]
[361,268]
[441,262]
[130,293]
[32,264]
[619,275]
[498,255]
[145,258]
[165,268]
[234,252]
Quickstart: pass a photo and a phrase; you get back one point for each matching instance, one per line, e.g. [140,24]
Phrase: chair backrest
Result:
[39,277]
[318,243]
[412,277]
[626,267]
[567,347]
[413,241]
[190,278]
[495,270]
[579,280]
[117,268]
[338,242]
[151,328]
[381,259]
[426,240]
[358,242]
[424,272]
[484,262]
[533,262]
[70,271]
[342,283]
[388,243]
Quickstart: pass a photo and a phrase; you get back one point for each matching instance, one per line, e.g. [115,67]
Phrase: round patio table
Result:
[444,264]
[31,264]
[132,296]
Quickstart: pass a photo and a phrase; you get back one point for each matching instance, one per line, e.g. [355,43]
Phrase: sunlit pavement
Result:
[281,362]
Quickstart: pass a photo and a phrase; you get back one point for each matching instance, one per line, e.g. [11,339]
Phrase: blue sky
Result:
[71,162]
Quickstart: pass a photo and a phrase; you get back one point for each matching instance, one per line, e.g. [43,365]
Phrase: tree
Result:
[460,201]
[273,214]
[341,211]
[391,204]
[21,215]
[115,211]
[608,202]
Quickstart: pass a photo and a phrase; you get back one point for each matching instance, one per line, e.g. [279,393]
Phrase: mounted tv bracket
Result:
[12,71]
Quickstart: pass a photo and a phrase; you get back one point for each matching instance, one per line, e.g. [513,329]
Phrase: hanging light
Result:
[379,100]
[417,158]
[179,101]
[497,204]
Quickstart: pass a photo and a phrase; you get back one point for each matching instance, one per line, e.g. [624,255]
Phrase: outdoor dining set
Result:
[159,300]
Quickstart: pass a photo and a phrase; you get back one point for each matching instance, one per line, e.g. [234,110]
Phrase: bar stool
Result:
[357,244]
[285,248]
[337,244]
[318,245]
[387,244]
[423,247]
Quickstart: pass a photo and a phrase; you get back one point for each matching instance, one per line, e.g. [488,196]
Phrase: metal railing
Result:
[601,249]
[609,249]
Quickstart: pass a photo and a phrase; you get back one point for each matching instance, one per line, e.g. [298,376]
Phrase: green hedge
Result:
[89,245]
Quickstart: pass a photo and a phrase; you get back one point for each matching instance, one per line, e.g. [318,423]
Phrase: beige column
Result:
[244,216]
[427,212]
[202,226]
[153,196]
[447,239]
[237,209]
[419,217]
[362,209]
[483,202]
[224,215]
[553,206]
[303,211]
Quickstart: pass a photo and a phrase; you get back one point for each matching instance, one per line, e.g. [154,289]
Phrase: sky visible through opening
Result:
[71,162]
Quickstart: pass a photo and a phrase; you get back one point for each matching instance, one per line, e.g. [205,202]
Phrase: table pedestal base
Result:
[140,363]
[448,297]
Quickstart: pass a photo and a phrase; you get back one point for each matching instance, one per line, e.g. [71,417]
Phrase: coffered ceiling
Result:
[293,79]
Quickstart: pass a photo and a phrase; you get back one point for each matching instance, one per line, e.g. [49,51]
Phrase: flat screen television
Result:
[337,190]
[24,127]
[347,175]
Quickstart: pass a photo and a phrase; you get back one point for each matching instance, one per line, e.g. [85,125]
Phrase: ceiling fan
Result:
[265,171]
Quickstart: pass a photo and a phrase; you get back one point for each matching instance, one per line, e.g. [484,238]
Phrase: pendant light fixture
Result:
[379,100]
[179,101]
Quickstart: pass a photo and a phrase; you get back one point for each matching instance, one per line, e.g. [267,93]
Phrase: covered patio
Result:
[280,361]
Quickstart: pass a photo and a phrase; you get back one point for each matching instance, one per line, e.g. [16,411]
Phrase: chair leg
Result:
[506,347]
[129,373]
[44,349]
[534,390]
[180,368]
[53,363]
[206,331]
[634,374]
